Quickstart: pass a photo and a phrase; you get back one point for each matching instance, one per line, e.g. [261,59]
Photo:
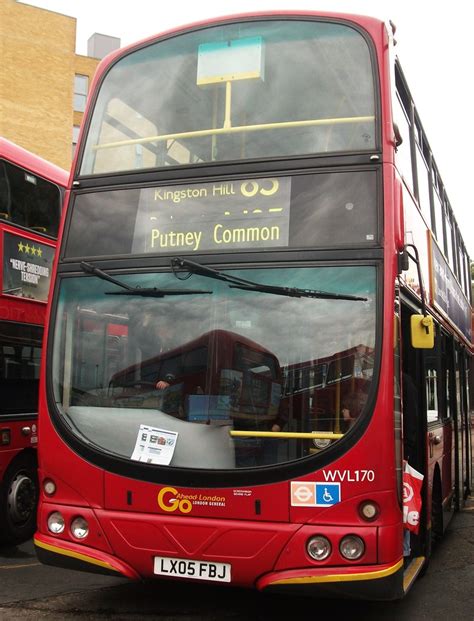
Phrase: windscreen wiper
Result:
[147,292]
[249,285]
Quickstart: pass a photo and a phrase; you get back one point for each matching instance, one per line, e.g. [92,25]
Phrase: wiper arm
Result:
[294,292]
[202,270]
[92,269]
[153,292]
[249,285]
[147,292]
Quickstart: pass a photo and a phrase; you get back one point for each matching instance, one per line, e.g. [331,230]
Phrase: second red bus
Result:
[31,194]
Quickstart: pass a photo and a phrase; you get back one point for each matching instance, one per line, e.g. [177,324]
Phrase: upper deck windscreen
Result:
[247,90]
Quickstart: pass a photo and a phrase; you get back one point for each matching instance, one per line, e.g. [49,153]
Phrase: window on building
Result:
[75,137]
[81,86]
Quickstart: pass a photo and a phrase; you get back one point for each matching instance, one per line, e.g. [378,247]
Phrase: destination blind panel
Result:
[214,216]
[302,211]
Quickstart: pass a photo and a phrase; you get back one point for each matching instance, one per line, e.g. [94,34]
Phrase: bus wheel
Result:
[18,501]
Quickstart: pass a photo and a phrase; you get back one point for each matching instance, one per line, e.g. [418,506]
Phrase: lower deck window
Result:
[20,356]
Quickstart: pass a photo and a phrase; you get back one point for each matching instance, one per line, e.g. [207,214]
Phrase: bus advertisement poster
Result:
[447,294]
[27,266]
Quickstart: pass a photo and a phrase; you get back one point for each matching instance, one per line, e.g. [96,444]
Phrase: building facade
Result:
[43,82]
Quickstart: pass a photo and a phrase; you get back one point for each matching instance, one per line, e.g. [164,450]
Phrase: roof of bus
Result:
[33,163]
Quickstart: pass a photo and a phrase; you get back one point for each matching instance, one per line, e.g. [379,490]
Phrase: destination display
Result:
[222,216]
[316,210]
[27,266]
[447,295]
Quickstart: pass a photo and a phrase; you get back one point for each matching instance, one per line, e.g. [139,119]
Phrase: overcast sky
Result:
[434,46]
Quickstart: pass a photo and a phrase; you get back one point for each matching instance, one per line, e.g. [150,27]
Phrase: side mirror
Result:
[422,331]
[403,261]
[398,136]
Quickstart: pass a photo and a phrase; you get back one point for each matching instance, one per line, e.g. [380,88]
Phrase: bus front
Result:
[217,402]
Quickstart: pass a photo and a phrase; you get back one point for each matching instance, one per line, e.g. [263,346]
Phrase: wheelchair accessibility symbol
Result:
[328,494]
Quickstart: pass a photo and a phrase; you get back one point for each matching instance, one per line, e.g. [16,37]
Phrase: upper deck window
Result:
[239,91]
[29,200]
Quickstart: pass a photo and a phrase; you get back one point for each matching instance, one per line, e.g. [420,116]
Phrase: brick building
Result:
[43,82]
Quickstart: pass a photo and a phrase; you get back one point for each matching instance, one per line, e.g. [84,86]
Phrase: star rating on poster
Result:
[32,250]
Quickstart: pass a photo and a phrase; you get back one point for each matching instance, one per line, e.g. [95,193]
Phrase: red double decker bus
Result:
[31,193]
[261,313]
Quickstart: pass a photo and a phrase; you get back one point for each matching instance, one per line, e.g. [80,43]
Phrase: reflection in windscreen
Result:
[167,380]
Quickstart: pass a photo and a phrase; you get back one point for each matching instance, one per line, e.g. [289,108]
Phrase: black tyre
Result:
[19,501]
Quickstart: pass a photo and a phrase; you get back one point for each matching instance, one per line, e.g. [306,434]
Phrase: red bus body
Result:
[332,490]
[22,318]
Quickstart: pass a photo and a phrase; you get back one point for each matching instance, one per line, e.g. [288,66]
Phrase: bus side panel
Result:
[16,436]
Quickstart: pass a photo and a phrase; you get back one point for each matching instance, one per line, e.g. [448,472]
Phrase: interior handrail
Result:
[234,130]
[304,435]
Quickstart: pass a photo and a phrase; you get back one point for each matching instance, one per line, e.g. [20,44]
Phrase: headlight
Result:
[80,528]
[318,547]
[352,547]
[56,523]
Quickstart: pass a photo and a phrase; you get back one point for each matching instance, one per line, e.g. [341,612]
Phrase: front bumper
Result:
[59,553]
[378,583]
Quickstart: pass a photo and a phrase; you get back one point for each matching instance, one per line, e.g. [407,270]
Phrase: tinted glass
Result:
[20,356]
[29,200]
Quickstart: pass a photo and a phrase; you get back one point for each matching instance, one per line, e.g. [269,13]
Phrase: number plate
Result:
[196,570]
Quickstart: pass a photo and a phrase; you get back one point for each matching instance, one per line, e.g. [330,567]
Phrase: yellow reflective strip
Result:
[371,575]
[320,435]
[412,571]
[81,557]
[234,130]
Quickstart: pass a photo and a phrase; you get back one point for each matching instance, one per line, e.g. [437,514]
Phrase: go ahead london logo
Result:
[314,494]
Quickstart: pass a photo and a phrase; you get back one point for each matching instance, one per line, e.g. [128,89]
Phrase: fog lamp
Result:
[49,487]
[56,523]
[352,547]
[79,528]
[318,547]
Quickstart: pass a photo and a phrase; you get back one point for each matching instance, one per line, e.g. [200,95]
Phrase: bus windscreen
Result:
[231,92]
